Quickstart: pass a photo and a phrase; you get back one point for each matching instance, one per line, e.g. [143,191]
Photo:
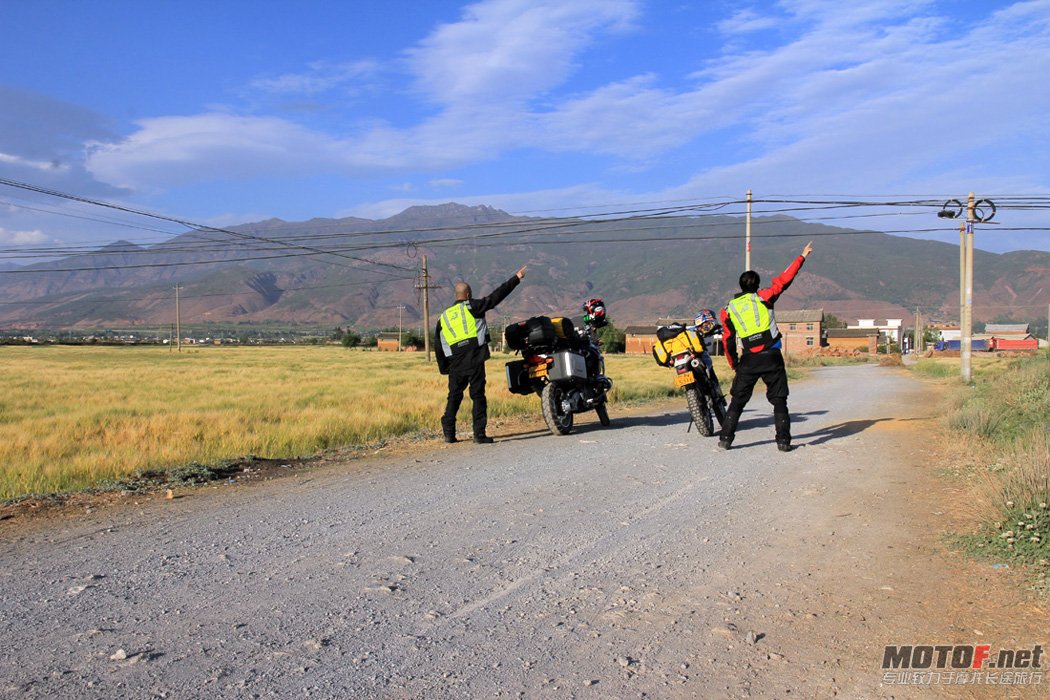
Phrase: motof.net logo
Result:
[961,656]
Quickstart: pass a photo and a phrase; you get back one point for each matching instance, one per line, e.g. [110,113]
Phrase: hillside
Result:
[357,272]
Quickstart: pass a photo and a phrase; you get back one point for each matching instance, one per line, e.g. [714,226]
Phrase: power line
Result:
[181,222]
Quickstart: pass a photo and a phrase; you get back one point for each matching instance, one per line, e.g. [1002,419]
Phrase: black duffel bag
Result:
[536,332]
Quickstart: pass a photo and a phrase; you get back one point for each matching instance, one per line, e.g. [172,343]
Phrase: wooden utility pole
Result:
[426,287]
[747,235]
[400,308]
[178,321]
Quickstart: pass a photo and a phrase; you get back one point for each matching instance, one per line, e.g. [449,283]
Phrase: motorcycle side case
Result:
[518,378]
[568,366]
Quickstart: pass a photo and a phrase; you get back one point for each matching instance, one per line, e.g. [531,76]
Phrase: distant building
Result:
[854,339]
[388,342]
[1007,330]
[1010,336]
[802,329]
[890,328]
[639,340]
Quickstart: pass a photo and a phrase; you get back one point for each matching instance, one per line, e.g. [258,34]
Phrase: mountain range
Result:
[364,274]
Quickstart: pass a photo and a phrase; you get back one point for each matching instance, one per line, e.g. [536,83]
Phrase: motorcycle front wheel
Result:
[699,411]
[558,419]
[603,414]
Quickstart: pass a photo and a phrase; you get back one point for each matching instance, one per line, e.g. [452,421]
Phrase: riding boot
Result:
[782,421]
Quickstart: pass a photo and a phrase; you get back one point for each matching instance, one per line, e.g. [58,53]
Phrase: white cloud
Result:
[322,76]
[22,237]
[45,165]
[746,21]
[871,96]
[445,182]
[173,150]
[511,50]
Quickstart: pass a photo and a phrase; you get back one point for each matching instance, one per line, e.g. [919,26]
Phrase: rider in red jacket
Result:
[762,357]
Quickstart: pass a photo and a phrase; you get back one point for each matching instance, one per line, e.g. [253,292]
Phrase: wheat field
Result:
[81,417]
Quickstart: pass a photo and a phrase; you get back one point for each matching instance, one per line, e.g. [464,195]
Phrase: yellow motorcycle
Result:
[683,348]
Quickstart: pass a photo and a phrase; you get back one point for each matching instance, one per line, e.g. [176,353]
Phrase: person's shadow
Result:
[587,422]
[765,419]
[844,430]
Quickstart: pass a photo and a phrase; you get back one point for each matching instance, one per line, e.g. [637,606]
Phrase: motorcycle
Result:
[683,348]
[563,364]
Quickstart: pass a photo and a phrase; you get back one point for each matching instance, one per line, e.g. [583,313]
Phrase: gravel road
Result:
[631,561]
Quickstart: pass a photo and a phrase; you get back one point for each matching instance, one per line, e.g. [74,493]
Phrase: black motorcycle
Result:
[563,364]
[683,348]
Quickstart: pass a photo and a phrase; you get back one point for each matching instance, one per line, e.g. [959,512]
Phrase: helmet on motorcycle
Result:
[705,321]
[594,313]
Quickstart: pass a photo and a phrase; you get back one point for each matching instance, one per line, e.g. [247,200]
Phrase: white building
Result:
[890,330]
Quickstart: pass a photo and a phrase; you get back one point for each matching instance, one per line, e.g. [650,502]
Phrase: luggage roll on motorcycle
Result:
[563,364]
[683,348]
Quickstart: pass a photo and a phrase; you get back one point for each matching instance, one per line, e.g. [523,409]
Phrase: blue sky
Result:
[229,112]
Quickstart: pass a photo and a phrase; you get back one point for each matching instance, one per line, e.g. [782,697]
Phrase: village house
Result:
[863,339]
[388,342]
[1010,336]
[639,340]
[802,329]
[890,329]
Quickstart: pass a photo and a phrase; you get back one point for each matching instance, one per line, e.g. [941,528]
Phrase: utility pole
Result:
[981,211]
[966,347]
[962,280]
[400,308]
[178,321]
[917,345]
[426,287]
[747,235]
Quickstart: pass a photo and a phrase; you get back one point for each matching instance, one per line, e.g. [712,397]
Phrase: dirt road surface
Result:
[624,562]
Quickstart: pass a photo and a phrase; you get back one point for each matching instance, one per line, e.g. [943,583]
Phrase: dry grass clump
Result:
[1001,435]
[892,359]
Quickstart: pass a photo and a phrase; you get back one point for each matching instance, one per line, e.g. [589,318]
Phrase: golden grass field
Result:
[79,417]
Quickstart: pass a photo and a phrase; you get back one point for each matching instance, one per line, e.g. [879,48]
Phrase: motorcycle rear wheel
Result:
[558,420]
[699,411]
[718,406]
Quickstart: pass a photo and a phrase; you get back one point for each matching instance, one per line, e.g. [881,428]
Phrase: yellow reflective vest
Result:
[458,325]
[753,320]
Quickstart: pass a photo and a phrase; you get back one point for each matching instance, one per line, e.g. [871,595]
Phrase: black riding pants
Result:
[768,366]
[458,380]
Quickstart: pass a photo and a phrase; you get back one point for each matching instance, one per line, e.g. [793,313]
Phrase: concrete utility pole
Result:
[917,345]
[747,235]
[178,321]
[426,287]
[962,280]
[966,347]
[982,211]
